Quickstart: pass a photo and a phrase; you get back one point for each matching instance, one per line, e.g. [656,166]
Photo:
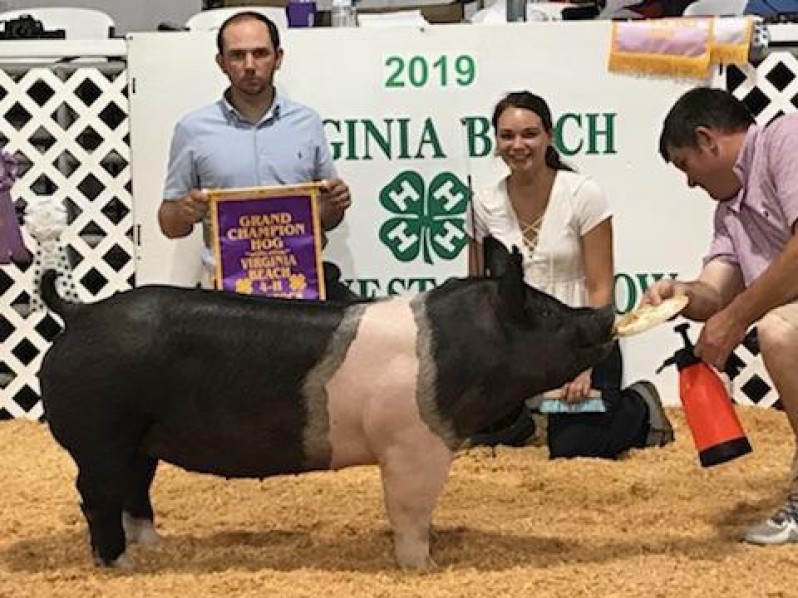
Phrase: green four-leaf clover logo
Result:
[427,220]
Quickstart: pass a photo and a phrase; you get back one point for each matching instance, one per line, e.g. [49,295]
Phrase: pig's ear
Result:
[511,287]
[496,257]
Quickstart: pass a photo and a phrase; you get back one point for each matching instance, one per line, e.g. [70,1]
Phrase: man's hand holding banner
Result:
[268,241]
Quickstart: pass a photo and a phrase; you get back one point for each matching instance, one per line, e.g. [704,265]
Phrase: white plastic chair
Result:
[212,19]
[535,11]
[715,8]
[77,23]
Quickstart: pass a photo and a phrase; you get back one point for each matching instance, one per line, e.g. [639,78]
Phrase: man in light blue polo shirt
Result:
[251,137]
[751,273]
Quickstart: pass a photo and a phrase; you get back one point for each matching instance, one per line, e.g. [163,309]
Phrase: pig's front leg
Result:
[413,476]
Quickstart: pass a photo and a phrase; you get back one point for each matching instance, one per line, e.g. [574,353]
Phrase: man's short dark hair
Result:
[274,34]
[702,107]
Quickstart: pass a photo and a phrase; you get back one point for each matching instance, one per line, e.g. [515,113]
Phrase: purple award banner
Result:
[269,244]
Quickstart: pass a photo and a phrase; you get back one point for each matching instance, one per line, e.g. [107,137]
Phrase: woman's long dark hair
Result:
[529,101]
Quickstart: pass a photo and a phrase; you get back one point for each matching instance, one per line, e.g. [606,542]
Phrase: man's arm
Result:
[719,282]
[177,217]
[333,202]
[776,286]
[186,204]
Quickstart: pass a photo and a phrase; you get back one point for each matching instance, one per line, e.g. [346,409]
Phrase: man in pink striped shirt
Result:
[750,275]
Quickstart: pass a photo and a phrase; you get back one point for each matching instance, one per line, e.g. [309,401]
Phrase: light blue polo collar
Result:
[233,115]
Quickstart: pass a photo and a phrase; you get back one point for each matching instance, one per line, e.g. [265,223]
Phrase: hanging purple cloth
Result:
[11,245]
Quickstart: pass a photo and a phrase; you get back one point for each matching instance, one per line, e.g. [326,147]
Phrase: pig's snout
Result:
[595,332]
[596,326]
[606,316]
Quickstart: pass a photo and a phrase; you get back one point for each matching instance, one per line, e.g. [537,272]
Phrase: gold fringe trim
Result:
[674,65]
[660,64]
[733,53]
[729,53]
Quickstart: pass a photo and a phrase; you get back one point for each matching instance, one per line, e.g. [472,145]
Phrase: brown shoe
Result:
[660,430]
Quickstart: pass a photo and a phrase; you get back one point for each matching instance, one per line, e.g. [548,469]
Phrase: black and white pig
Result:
[242,386]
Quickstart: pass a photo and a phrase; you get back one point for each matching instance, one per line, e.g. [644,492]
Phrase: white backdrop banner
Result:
[407,115]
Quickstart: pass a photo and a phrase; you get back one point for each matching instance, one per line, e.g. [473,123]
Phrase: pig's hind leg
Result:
[110,478]
[138,515]
[101,487]
[412,479]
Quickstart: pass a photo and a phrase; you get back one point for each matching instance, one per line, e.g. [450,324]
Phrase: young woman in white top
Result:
[562,224]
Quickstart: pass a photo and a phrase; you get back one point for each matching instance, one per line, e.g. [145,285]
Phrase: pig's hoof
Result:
[123,562]
[422,563]
[139,531]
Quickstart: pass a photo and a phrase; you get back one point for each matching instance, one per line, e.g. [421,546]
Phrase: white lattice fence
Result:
[67,126]
[769,89]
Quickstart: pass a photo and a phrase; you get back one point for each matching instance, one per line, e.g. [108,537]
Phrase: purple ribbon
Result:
[12,247]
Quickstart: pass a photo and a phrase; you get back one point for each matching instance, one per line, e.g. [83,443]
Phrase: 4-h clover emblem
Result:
[427,220]
[297,282]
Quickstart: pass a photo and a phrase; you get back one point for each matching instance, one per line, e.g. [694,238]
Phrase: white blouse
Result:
[576,206]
